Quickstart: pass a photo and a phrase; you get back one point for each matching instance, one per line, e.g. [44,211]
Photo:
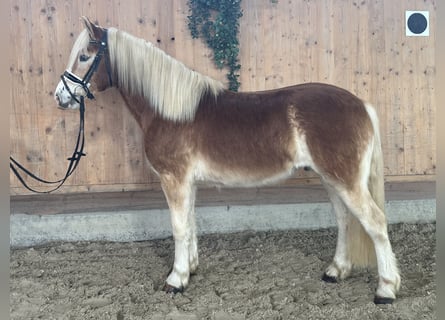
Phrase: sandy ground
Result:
[261,275]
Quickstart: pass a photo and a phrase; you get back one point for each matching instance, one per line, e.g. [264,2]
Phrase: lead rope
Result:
[74,160]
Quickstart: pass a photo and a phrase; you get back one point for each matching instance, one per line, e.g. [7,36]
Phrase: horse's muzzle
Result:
[63,98]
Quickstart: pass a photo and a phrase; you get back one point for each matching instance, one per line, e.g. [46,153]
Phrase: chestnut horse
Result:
[195,130]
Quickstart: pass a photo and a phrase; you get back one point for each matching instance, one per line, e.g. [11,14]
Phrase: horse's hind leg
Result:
[341,264]
[180,198]
[364,208]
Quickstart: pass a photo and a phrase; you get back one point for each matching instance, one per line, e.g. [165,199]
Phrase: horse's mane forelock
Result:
[173,90]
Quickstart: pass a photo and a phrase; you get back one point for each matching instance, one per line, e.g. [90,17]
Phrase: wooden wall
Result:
[358,45]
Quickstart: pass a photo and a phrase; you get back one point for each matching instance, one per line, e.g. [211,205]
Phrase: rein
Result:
[78,153]
[74,160]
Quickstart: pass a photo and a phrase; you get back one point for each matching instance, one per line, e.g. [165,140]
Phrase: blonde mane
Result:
[172,89]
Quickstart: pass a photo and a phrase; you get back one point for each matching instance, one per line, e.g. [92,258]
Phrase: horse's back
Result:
[312,101]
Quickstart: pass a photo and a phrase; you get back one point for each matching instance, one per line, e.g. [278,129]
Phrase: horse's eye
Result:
[83,58]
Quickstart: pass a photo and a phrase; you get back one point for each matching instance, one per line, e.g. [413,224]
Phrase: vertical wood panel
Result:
[360,46]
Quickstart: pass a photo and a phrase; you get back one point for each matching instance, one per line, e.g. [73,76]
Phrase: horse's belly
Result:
[240,176]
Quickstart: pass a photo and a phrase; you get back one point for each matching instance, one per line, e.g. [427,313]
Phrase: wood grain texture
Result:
[358,45]
[154,198]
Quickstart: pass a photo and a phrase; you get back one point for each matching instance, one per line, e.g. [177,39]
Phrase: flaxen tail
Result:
[361,249]
[376,182]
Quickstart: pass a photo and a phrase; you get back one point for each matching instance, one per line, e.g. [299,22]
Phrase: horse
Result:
[195,130]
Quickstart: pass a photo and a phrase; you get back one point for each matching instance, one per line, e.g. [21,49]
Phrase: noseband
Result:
[85,81]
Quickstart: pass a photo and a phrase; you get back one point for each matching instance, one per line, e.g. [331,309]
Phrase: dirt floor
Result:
[261,275]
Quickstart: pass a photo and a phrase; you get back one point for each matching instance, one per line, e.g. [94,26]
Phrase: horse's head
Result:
[88,67]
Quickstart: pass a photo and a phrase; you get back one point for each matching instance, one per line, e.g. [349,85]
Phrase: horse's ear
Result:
[94,30]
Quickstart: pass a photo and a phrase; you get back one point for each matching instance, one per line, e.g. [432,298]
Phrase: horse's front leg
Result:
[193,246]
[180,198]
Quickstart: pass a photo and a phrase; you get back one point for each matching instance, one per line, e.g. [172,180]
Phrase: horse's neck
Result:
[138,107]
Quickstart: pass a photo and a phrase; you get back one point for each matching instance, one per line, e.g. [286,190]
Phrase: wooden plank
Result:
[154,185]
[154,199]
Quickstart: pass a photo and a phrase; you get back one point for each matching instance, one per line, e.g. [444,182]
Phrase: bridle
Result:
[85,81]
[78,150]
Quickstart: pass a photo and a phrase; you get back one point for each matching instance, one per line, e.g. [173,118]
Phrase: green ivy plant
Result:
[217,22]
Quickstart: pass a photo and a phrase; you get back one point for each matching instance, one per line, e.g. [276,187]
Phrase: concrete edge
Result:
[137,225]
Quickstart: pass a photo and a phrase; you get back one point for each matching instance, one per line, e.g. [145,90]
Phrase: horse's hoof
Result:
[170,289]
[383,300]
[329,279]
